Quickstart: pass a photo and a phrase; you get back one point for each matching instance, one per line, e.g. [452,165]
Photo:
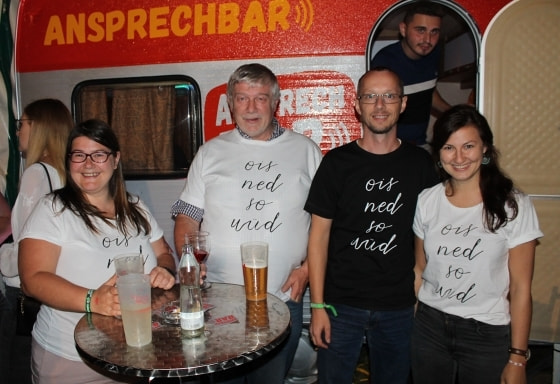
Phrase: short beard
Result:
[378,131]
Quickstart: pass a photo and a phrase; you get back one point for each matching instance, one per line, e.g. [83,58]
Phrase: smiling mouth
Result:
[461,166]
[378,117]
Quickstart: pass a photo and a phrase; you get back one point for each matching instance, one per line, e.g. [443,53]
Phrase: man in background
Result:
[415,58]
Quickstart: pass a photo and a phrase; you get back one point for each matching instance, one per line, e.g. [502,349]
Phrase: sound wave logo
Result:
[304,14]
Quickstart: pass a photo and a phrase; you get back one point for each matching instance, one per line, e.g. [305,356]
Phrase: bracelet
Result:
[516,363]
[88,300]
[525,353]
[323,305]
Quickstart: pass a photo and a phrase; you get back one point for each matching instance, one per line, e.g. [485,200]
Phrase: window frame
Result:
[193,115]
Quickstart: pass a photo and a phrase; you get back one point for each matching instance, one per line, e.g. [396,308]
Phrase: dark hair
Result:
[428,8]
[496,188]
[127,210]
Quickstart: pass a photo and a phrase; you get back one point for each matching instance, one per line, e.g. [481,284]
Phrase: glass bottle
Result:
[192,312]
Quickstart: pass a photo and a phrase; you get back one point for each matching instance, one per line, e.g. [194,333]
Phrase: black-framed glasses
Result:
[19,123]
[96,157]
[388,98]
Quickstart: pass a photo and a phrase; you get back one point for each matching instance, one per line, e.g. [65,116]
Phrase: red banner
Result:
[84,34]
[87,34]
[318,104]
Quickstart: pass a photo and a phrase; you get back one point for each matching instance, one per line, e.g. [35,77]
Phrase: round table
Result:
[236,332]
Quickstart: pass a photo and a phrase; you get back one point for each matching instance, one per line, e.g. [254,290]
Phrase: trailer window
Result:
[156,119]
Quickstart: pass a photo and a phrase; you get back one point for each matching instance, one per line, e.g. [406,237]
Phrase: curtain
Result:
[141,118]
[93,104]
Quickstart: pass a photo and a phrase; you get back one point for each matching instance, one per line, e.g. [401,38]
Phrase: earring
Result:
[439,164]
[485,160]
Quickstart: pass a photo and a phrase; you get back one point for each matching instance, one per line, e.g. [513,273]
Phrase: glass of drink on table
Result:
[200,241]
[136,308]
[128,263]
[254,258]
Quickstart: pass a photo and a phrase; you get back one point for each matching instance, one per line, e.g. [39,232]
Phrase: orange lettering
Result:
[76,26]
[209,18]
[136,23]
[158,24]
[277,14]
[54,32]
[182,12]
[228,18]
[254,18]
[94,21]
[115,22]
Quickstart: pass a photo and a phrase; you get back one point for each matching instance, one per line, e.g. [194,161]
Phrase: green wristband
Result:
[88,300]
[322,306]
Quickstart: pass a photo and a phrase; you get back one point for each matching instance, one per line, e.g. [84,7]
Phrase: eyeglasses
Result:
[258,100]
[19,123]
[96,157]
[371,98]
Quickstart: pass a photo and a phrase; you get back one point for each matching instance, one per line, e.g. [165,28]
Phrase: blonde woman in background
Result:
[42,132]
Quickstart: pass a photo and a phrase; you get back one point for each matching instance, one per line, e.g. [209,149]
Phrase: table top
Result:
[236,332]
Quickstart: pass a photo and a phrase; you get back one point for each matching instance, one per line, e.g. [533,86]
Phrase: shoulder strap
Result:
[48,176]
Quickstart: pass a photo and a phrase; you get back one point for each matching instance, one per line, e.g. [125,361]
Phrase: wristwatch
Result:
[526,354]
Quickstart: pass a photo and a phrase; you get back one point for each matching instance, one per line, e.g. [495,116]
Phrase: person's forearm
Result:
[166,260]
[317,265]
[183,225]
[521,310]
[317,280]
[56,292]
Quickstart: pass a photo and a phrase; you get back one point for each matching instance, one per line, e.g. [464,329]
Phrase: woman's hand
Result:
[105,299]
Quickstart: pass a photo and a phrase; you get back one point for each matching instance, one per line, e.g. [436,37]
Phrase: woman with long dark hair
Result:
[475,248]
[69,243]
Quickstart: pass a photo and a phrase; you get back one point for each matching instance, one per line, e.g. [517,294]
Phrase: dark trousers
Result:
[388,338]
[274,367]
[15,350]
[448,349]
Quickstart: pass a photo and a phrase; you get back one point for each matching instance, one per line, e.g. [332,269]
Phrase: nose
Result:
[89,161]
[379,101]
[459,156]
[430,38]
[252,104]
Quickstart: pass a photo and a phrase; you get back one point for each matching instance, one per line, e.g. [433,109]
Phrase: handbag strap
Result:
[48,176]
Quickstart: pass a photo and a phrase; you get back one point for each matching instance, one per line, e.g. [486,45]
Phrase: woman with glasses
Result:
[475,250]
[68,247]
[42,132]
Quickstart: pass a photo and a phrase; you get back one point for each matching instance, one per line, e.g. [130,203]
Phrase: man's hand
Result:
[320,328]
[297,281]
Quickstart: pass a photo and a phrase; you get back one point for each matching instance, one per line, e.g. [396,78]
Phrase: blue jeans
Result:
[448,349]
[270,369]
[388,339]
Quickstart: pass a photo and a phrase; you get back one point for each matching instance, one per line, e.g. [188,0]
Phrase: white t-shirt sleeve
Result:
[525,227]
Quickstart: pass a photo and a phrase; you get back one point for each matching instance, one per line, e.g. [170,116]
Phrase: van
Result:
[102,58]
